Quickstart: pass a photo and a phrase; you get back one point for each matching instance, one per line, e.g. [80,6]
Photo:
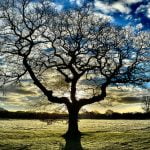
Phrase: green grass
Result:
[98,135]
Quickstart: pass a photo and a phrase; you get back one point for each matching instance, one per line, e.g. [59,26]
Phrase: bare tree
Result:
[76,44]
[146,104]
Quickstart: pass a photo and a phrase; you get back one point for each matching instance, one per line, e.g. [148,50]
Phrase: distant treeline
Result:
[31,115]
[115,115]
[86,115]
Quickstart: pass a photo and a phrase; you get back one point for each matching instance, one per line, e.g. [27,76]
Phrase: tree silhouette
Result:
[77,44]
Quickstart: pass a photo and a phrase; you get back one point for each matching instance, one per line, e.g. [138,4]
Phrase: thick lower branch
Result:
[94,99]
[46,92]
[61,100]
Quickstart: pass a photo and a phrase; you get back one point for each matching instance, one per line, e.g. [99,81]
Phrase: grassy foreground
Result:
[99,135]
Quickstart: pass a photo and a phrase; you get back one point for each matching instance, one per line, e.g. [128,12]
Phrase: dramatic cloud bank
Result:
[121,12]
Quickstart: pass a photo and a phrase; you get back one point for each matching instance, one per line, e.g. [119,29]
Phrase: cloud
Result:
[122,12]
[104,7]
[131,1]
[58,7]
[14,100]
[122,108]
[148,11]
[121,7]
[3,99]
[122,99]
[104,16]
[128,100]
[118,6]
[2,109]
[144,9]
[122,1]
[25,92]
[125,108]
[139,26]
[34,4]
[15,97]
[129,17]
[18,90]
[79,2]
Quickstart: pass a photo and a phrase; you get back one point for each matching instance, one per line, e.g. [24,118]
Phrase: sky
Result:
[28,97]
[121,12]
[134,13]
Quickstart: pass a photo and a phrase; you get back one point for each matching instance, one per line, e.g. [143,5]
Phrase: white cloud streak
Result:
[144,9]
[121,7]
[131,1]
[110,8]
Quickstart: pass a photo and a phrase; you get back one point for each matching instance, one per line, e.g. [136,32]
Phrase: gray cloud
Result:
[24,91]
[19,90]
[111,6]
[3,99]
[129,100]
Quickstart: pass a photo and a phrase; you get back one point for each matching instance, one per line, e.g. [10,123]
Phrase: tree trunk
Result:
[73,144]
[73,131]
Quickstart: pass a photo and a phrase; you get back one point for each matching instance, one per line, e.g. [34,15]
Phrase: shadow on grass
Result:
[14,147]
[72,144]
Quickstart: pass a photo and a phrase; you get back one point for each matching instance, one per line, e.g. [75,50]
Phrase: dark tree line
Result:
[52,117]
[77,44]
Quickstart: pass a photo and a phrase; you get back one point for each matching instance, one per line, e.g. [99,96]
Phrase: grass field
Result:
[98,135]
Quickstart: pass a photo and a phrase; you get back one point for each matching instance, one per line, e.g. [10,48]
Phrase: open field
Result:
[99,135]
